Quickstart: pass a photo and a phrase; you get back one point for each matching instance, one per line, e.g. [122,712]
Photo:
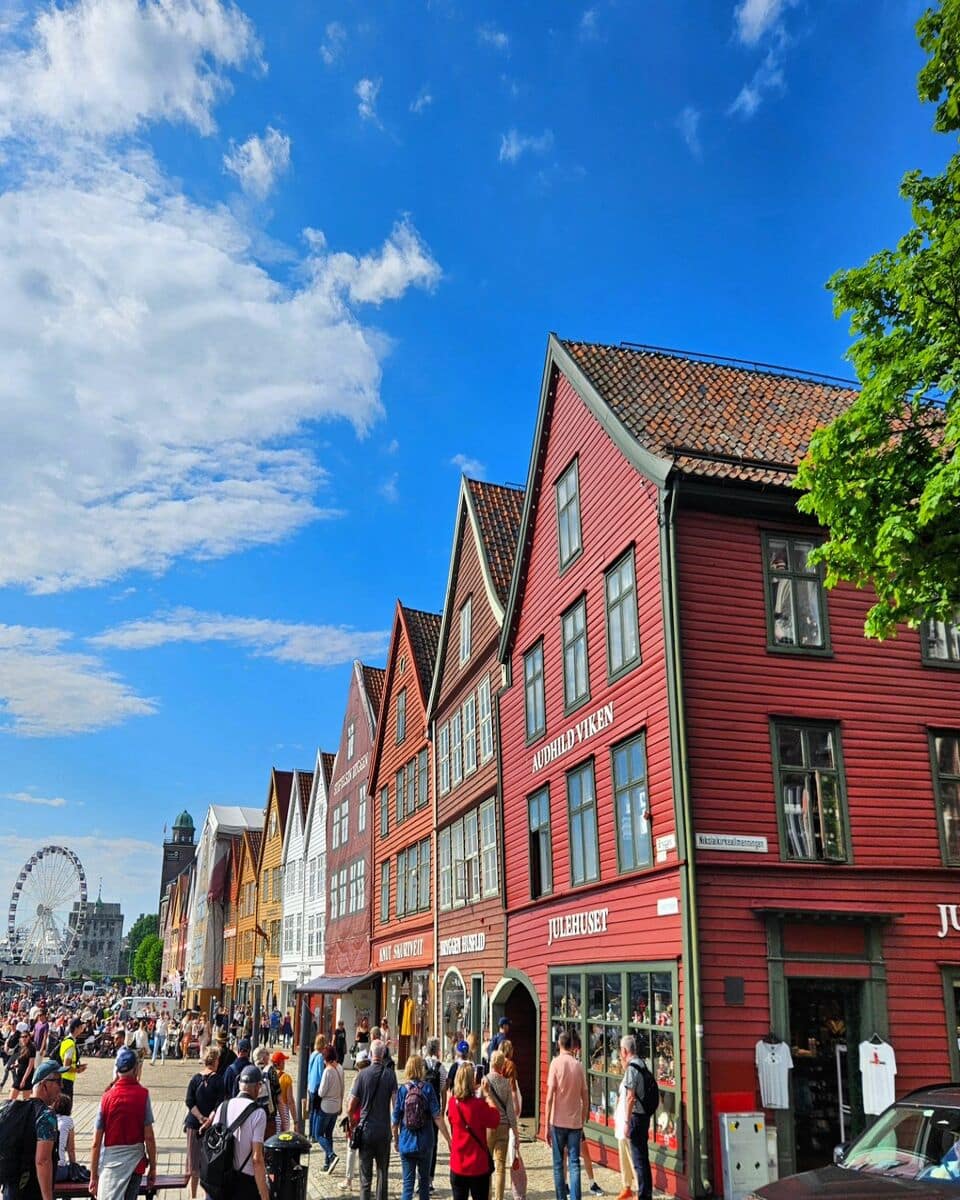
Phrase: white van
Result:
[138,1006]
[89,990]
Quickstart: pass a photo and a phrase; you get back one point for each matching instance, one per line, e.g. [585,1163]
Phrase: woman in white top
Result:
[67,1152]
[160,1039]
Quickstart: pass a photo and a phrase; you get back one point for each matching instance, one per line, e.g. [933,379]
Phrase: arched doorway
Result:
[515,997]
[453,1009]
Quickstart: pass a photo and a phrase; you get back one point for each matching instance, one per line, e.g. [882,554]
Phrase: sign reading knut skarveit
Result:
[396,951]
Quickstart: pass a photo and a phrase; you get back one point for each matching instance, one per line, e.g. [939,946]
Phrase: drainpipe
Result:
[700,1151]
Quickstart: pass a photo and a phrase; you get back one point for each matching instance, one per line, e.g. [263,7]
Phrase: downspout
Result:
[700,1151]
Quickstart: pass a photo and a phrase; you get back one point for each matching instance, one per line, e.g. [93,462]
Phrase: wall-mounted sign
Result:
[349,776]
[732,841]
[949,919]
[412,948]
[579,924]
[665,845]
[563,743]
[668,906]
[467,943]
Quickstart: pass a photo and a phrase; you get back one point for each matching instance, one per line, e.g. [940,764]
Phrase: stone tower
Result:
[179,849]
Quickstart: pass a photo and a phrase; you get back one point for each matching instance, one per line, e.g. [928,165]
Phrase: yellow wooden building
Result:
[270,884]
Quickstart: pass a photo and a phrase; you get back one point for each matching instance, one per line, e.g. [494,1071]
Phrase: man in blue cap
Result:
[38,1183]
[231,1076]
[502,1035]
[124,1146]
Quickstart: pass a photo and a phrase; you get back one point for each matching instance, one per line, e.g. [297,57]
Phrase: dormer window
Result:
[350,733]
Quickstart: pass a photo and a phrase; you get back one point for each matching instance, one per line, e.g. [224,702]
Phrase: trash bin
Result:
[288,1175]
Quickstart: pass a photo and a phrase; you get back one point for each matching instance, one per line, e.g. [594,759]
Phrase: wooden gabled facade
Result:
[270,882]
[231,912]
[294,877]
[471,928]
[402,941]
[248,942]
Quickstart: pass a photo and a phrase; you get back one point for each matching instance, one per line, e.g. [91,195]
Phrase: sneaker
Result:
[626,1194]
[347,1185]
[332,1163]
[596,1189]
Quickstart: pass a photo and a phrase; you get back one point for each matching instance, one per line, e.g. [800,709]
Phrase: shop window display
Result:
[597,1007]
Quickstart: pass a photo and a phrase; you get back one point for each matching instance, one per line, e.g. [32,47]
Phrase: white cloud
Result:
[29,798]
[289,642]
[367,90]
[47,690]
[688,122]
[102,67]
[332,48]
[755,18]
[469,466]
[514,145]
[389,489]
[385,275]
[768,77]
[490,35]
[258,161]
[589,28]
[423,100]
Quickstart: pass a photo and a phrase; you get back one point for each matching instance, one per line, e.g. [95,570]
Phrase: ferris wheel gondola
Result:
[49,900]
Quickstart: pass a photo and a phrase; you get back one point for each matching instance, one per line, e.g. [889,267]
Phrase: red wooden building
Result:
[471,928]
[799,794]
[402,942]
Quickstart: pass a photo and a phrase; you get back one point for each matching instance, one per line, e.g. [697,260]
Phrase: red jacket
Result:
[468,1151]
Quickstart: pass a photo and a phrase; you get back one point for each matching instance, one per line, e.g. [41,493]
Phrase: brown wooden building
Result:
[471,927]
[402,942]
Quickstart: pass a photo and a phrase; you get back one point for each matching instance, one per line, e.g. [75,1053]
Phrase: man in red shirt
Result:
[568,1103]
[124,1145]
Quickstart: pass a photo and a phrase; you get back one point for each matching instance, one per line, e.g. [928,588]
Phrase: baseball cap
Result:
[504,1021]
[126,1059]
[463,1048]
[251,1074]
[48,1068]
[362,1056]
[244,1045]
[278,1057]
[23,1027]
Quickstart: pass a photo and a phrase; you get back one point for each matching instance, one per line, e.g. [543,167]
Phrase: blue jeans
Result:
[411,1164]
[325,1126]
[569,1140]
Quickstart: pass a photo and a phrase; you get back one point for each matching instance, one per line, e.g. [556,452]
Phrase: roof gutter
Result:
[696,1069]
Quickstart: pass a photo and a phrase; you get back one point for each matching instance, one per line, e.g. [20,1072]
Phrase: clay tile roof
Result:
[373,678]
[499,510]
[327,761]
[304,783]
[424,629]
[711,419]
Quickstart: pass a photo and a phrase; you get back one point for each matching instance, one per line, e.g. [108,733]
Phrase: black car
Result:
[912,1149]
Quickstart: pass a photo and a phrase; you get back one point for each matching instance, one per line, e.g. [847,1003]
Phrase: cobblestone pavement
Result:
[168,1084]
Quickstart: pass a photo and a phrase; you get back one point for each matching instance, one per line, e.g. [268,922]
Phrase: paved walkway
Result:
[168,1084]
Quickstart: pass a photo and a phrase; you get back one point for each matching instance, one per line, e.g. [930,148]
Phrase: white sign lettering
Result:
[578,924]
[349,776]
[589,727]
[949,919]
[409,949]
[467,943]
[668,906]
[664,845]
[732,841]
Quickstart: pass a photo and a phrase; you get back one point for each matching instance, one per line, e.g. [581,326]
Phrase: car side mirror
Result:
[840,1153]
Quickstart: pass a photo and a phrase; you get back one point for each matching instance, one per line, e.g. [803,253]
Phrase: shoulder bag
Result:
[469,1129]
[356,1138]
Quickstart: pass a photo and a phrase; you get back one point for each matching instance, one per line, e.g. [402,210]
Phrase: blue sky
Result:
[272,275]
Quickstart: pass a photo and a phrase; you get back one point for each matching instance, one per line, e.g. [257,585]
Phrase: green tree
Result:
[145,924]
[150,949]
[154,961]
[884,477]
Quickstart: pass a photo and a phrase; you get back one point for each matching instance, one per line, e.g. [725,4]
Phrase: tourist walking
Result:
[436,1076]
[227,1056]
[340,1042]
[124,1146]
[315,1068]
[502,1035]
[70,1056]
[371,1102]
[203,1037]
[568,1103]
[330,1104]
[160,1040]
[417,1118]
[637,1121]
[361,1063]
[275,1020]
[46,1089]
[141,1040]
[470,1117]
[250,1180]
[497,1086]
[204,1094]
[286,1032]
[231,1077]
[24,1060]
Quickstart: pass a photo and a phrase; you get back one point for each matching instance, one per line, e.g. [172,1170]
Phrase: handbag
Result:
[518,1178]
[469,1128]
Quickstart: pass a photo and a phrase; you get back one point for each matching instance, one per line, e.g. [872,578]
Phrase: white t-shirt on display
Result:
[878,1069]
[774,1061]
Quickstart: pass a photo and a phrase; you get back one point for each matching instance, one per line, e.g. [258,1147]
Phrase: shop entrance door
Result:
[824,1035]
[522,1011]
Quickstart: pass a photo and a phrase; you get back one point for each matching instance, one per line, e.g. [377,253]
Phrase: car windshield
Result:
[910,1142]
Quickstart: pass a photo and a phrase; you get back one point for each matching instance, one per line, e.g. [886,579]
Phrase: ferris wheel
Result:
[50,887]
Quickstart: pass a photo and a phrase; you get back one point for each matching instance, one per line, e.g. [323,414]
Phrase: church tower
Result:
[179,849]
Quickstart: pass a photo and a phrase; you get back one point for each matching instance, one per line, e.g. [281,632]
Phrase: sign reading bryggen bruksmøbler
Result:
[592,724]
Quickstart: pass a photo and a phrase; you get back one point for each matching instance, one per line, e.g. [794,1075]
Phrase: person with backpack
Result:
[204,1094]
[269,1091]
[28,1139]
[417,1117]
[124,1146]
[232,1163]
[436,1076]
[641,1098]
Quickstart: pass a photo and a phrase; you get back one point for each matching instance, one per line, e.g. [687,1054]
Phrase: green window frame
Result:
[413,878]
[425,875]
[385,892]
[401,883]
[940,643]
[945,766]
[401,715]
[534,702]
[411,787]
[622,616]
[423,785]
[582,824]
[810,791]
[569,533]
[600,1004]
[796,600]
[400,782]
[576,669]
[628,767]
[384,811]
[540,850]
[951,1000]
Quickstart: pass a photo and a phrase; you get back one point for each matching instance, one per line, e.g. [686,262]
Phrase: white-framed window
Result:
[413,877]
[335,828]
[456,748]
[470,734]
[486,719]
[310,936]
[298,935]
[401,883]
[362,809]
[456,851]
[423,782]
[334,910]
[488,847]
[401,715]
[446,869]
[361,884]
[345,822]
[425,873]
[321,874]
[443,754]
[342,888]
[353,901]
[466,629]
[471,858]
[411,769]
[350,740]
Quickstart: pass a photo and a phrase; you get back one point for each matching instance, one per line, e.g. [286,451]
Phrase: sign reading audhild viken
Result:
[592,724]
